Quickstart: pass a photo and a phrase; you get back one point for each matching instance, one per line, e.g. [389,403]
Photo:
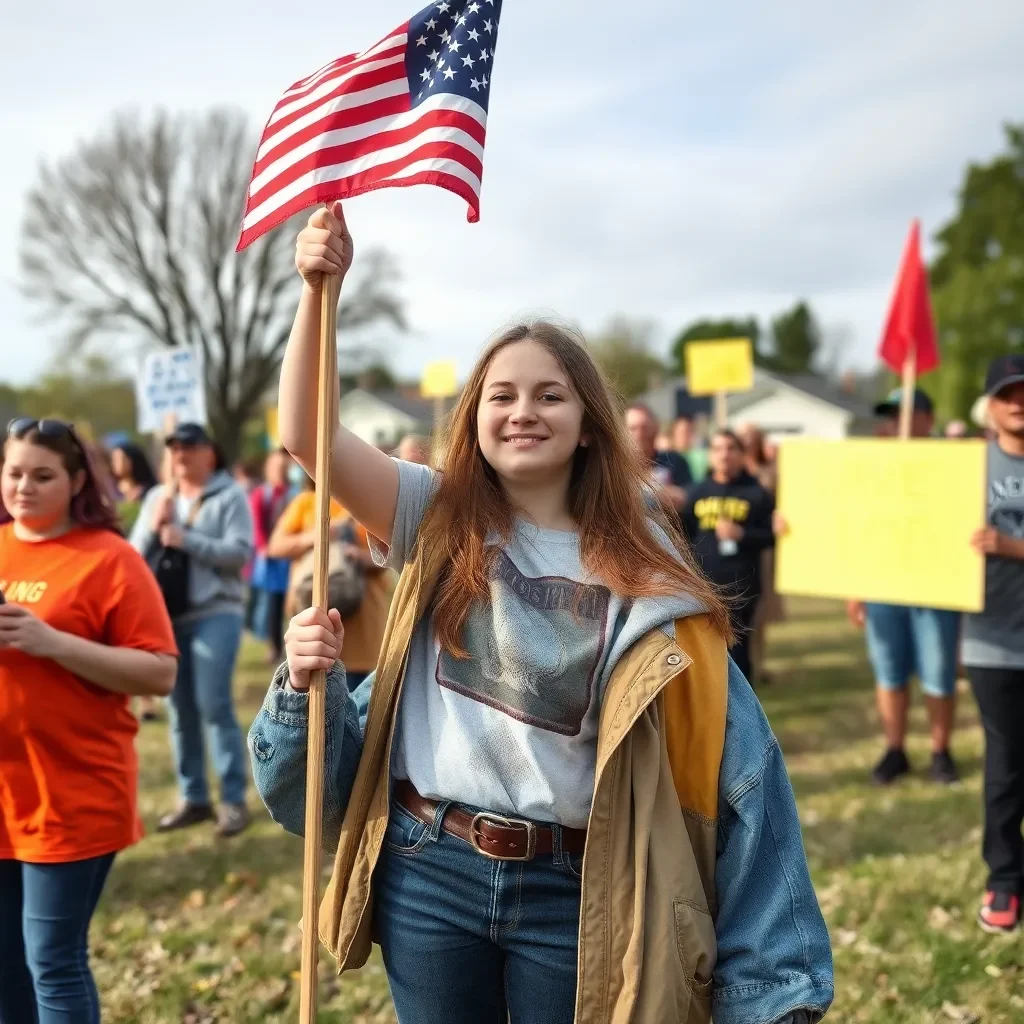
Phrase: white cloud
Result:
[664,161]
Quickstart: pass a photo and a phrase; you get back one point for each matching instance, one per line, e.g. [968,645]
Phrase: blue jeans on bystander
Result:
[201,698]
[45,911]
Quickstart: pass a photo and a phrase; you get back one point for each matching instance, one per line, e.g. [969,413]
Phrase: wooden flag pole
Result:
[907,394]
[325,429]
[721,410]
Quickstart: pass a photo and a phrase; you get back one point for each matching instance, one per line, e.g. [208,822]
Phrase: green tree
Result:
[623,351]
[712,330]
[373,374]
[978,276]
[133,234]
[796,340]
[88,390]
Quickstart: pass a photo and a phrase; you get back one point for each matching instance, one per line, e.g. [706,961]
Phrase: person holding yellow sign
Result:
[993,648]
[904,641]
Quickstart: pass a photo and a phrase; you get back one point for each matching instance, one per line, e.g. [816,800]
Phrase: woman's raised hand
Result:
[313,643]
[324,245]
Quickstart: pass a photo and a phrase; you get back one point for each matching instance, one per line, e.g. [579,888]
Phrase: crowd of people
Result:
[728,519]
[568,559]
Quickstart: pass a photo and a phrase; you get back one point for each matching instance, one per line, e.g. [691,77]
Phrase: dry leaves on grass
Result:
[197,1015]
[959,1014]
[195,900]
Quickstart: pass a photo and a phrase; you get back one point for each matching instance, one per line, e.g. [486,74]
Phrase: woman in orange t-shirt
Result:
[83,628]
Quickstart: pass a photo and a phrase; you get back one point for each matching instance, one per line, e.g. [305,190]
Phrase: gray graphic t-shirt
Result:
[995,637]
[513,728]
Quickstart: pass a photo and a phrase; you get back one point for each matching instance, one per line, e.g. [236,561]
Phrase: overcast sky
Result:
[664,160]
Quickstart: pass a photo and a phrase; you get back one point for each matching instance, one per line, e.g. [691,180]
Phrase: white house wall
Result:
[789,413]
[375,422]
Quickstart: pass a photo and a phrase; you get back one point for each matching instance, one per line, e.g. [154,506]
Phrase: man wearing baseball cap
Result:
[993,648]
[904,641]
[922,418]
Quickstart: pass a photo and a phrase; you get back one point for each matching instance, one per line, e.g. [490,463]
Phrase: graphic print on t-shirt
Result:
[534,650]
[1006,506]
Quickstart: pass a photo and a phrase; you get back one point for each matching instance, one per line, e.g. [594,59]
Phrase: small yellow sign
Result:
[719,367]
[439,380]
[882,520]
[273,435]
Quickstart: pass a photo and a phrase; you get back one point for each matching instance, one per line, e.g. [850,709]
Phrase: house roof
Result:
[825,391]
[418,409]
[662,400]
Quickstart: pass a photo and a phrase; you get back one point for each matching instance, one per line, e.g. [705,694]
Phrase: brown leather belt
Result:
[492,835]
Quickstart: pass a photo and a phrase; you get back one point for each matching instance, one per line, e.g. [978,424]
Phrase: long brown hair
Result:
[91,506]
[607,500]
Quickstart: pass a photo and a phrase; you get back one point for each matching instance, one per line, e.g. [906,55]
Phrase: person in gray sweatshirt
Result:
[203,512]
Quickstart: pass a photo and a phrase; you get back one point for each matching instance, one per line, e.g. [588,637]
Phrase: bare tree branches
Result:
[133,234]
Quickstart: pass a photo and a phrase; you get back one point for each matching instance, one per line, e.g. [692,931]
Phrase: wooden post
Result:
[721,410]
[438,414]
[907,394]
[160,455]
[327,388]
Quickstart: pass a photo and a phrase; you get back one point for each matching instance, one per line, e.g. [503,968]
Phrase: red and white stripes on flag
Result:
[410,110]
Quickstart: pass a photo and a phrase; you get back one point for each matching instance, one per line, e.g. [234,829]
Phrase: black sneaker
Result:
[894,763]
[943,769]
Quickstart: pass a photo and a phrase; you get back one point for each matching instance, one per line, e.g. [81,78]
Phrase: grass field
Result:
[193,930]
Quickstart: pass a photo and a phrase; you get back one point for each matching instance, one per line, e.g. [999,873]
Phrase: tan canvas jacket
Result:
[647,945]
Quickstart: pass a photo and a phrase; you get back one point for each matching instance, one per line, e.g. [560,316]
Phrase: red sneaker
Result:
[1000,913]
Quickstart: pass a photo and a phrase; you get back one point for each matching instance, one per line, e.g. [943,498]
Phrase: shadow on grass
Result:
[918,820]
[158,875]
[812,783]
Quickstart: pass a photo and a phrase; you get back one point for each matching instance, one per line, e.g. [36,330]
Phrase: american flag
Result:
[410,110]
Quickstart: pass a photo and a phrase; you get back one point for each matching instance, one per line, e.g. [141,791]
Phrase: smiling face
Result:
[36,488]
[529,420]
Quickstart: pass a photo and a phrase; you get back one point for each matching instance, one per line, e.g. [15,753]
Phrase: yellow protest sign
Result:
[876,520]
[714,367]
[273,435]
[439,380]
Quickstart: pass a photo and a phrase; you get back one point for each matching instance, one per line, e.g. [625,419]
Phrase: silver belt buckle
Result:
[496,819]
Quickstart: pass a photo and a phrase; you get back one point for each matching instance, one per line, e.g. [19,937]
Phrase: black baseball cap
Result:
[1003,372]
[191,435]
[891,405]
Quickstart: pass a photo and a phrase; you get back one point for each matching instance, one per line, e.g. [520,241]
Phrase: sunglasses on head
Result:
[22,425]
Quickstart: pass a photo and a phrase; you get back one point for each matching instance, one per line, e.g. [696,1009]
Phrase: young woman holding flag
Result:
[569,805]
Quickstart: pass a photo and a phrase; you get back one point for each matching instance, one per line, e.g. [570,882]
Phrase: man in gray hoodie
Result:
[202,512]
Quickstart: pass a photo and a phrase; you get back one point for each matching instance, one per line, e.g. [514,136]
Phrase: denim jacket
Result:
[774,963]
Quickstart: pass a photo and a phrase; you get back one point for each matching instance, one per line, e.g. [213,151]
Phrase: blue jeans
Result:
[45,911]
[202,698]
[904,642]
[469,940]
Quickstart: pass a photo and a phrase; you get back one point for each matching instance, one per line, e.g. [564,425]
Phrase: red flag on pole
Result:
[910,328]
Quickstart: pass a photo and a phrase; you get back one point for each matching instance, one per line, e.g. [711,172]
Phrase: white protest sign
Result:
[170,383]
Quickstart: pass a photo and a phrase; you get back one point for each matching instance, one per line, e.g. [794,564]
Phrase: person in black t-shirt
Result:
[728,519]
[670,472]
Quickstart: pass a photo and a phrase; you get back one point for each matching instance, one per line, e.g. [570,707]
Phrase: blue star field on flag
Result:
[451,49]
